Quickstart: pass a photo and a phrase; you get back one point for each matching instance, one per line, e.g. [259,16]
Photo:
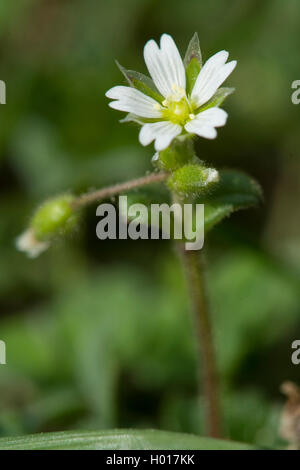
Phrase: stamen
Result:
[179,93]
[192,116]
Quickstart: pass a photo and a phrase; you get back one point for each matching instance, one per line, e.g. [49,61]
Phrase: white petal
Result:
[29,244]
[206,132]
[204,123]
[133,101]
[162,132]
[211,76]
[165,65]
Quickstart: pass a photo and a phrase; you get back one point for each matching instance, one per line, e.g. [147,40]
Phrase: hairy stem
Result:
[110,191]
[194,267]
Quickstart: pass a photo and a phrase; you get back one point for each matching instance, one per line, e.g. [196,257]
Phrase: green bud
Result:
[54,217]
[179,153]
[193,179]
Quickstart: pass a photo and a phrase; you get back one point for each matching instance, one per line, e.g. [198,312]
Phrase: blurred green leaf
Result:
[256,303]
[10,14]
[117,440]
[249,416]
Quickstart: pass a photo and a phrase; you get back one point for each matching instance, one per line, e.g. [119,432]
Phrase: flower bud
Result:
[193,179]
[53,218]
[28,243]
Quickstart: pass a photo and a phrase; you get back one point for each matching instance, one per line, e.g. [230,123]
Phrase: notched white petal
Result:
[214,116]
[162,132]
[212,75]
[202,131]
[133,101]
[165,65]
[204,123]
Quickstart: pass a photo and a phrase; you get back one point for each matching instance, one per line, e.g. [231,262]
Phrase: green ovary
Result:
[177,112]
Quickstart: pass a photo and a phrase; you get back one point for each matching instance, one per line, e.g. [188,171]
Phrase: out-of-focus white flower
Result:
[212,176]
[173,109]
[28,243]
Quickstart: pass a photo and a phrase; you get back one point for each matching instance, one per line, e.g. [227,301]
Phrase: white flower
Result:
[28,243]
[178,112]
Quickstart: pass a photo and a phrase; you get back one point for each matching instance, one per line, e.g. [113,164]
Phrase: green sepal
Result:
[192,63]
[193,51]
[130,117]
[179,153]
[218,98]
[141,82]
[192,72]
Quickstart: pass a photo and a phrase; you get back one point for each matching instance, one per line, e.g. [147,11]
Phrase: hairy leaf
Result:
[235,191]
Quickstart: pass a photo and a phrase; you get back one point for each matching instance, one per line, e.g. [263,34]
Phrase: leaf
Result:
[213,214]
[142,83]
[218,98]
[117,440]
[192,62]
[235,191]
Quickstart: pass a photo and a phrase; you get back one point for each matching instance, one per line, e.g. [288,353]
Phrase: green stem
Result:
[194,267]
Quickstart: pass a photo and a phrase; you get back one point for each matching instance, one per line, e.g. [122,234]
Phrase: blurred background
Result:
[98,334]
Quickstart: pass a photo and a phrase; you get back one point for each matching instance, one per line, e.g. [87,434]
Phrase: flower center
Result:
[176,107]
[177,112]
